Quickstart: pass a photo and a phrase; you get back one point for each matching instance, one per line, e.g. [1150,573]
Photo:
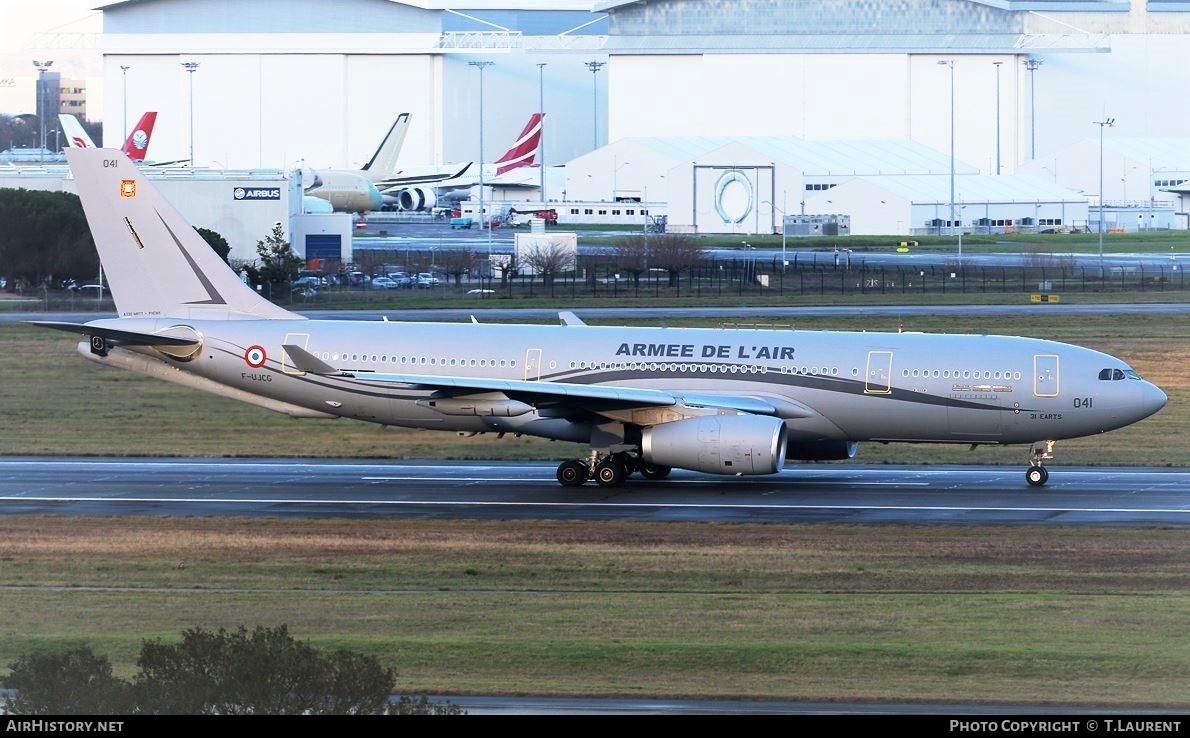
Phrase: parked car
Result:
[97,290]
[384,283]
[425,279]
[314,282]
[401,278]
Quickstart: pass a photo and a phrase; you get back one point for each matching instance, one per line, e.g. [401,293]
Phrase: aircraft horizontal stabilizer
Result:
[304,361]
[116,335]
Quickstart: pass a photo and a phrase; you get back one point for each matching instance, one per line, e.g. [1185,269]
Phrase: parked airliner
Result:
[136,145]
[644,400]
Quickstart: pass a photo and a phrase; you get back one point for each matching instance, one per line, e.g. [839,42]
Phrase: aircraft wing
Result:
[397,181]
[582,396]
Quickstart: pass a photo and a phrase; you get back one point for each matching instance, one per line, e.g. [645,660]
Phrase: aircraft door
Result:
[1045,375]
[293,339]
[532,364]
[878,380]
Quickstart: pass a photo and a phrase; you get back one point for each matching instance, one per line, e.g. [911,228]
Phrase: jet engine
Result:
[821,451]
[415,198]
[717,444]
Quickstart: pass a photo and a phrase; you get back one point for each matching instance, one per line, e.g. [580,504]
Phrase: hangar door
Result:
[324,246]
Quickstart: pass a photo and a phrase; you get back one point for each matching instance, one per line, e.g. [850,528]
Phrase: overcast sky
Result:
[23,20]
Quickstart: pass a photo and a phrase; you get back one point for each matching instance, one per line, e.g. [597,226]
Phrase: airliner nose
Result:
[1152,399]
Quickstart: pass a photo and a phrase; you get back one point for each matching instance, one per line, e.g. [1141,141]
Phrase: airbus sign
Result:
[257,193]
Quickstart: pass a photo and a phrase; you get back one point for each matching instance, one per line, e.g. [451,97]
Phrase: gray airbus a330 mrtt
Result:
[644,400]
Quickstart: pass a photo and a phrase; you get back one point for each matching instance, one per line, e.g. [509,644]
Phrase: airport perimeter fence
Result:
[745,277]
[731,280]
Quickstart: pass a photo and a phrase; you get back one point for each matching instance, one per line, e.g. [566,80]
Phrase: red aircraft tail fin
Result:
[524,151]
[137,145]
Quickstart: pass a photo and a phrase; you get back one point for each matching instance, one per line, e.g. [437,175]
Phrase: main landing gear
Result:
[1037,475]
[608,470]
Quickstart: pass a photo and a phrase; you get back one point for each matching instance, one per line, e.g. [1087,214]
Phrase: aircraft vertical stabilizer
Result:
[156,263]
[137,143]
[384,162]
[524,152]
[76,137]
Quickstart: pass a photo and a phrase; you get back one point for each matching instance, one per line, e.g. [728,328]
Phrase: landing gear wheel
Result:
[610,473]
[572,473]
[655,471]
[1036,476]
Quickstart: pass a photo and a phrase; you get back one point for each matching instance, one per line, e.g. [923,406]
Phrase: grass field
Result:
[901,613]
[1027,615]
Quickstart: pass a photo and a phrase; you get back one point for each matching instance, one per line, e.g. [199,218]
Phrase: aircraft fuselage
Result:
[824,385]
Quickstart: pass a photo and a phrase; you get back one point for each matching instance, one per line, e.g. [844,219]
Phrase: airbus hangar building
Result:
[904,115]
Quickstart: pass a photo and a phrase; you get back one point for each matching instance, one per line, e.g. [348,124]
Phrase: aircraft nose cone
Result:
[1153,399]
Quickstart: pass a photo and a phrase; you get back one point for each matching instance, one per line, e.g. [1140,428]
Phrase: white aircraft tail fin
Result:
[76,137]
[384,162]
[155,261]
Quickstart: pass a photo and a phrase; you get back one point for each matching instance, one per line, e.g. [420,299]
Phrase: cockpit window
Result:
[1115,374]
[1131,374]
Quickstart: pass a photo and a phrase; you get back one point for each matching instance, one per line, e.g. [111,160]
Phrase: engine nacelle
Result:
[822,451]
[718,444]
[415,198]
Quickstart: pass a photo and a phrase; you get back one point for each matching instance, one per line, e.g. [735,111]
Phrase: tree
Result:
[76,682]
[548,259]
[278,263]
[631,255]
[260,672]
[675,253]
[18,131]
[457,262]
[217,242]
[45,237]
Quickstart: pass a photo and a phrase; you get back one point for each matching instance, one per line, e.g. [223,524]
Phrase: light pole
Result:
[1106,122]
[42,67]
[950,63]
[190,67]
[1032,64]
[124,70]
[541,146]
[594,66]
[784,204]
[616,167]
[998,63]
[481,65]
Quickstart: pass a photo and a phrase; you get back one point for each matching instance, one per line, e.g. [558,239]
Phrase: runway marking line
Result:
[661,505]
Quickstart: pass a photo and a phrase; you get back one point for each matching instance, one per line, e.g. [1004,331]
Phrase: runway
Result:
[835,493]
